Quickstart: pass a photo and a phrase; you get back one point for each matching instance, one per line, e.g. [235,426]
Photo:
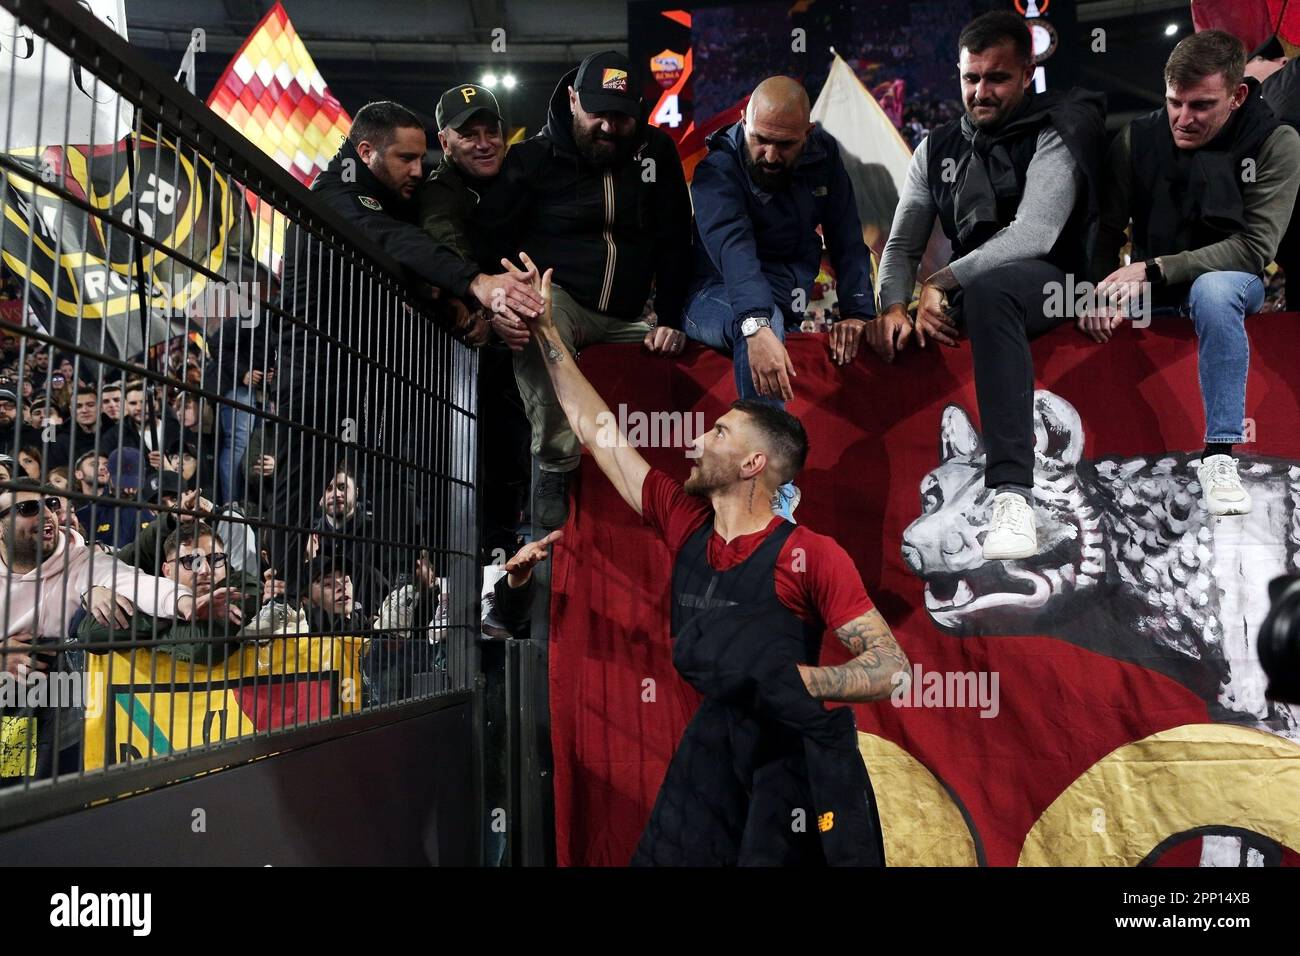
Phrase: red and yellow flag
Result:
[273,94]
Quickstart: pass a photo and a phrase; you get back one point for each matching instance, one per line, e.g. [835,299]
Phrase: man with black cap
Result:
[598,195]
[15,432]
[471,132]
[472,135]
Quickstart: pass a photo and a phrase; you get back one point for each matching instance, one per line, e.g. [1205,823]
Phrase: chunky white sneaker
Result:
[1011,533]
[1221,486]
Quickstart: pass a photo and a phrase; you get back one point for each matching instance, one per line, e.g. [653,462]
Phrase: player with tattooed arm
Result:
[752,595]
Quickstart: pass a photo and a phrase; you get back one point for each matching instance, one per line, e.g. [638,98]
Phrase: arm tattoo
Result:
[553,351]
[870,675]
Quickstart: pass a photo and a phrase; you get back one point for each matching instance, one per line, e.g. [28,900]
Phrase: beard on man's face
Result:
[706,476]
[600,148]
[772,177]
[33,546]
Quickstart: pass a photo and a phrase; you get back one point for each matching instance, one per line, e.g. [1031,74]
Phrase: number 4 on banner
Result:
[669,115]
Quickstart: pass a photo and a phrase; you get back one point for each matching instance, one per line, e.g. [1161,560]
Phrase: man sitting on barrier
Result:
[766,186]
[752,595]
[598,194]
[1209,182]
[1013,184]
[193,556]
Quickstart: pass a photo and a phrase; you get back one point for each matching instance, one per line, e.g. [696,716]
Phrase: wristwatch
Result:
[1155,273]
[751,325]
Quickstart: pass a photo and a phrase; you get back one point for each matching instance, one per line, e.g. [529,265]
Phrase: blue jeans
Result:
[1218,304]
[236,427]
[707,318]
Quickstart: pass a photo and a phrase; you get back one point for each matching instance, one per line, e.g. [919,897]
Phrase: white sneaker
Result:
[1011,533]
[1221,486]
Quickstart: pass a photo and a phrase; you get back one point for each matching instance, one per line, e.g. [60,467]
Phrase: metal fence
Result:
[237,497]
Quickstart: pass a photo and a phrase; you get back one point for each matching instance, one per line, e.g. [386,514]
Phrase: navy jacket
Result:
[765,245]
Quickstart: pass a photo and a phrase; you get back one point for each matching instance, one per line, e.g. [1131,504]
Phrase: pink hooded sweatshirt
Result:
[43,601]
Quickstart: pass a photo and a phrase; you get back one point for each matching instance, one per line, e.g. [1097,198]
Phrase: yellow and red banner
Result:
[275,96]
[157,705]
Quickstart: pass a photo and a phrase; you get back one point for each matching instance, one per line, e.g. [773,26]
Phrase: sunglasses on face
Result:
[32,507]
[215,560]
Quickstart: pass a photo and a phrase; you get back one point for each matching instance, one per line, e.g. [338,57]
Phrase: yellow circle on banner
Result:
[921,822]
[1198,775]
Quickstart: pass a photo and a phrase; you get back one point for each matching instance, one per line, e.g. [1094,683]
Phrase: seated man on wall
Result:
[598,195]
[1013,184]
[1209,182]
[766,186]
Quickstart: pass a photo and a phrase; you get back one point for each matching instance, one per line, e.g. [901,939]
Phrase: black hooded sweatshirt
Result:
[609,233]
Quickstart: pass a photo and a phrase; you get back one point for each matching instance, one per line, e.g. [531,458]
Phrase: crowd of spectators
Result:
[221,496]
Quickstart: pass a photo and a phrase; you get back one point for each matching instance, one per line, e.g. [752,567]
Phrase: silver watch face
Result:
[748,327]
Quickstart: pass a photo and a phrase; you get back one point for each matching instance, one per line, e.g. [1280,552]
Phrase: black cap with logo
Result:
[459,103]
[604,84]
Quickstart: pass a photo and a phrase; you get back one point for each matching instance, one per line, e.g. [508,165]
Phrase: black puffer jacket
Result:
[608,233]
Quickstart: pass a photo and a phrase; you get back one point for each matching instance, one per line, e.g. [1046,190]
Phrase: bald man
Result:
[766,185]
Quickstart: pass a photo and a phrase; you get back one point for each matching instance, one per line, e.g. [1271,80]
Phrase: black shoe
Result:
[551,499]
